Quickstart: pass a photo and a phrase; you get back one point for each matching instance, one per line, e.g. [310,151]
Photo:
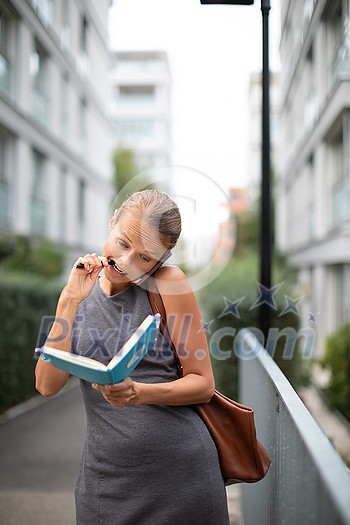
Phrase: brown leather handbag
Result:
[231,425]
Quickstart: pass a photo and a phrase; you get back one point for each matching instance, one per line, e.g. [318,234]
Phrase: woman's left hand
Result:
[120,394]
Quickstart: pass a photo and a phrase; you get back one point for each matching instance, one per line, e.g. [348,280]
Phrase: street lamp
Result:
[244,2]
[265,206]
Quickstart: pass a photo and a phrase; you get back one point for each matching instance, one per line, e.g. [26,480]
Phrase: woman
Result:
[148,457]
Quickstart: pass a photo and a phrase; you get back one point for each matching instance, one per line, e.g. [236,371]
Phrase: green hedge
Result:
[337,360]
[23,302]
[43,258]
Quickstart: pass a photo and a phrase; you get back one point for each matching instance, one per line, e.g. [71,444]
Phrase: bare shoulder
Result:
[171,280]
[171,272]
[177,293]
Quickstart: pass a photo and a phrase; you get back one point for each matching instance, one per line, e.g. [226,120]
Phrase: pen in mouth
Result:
[116,267]
[81,265]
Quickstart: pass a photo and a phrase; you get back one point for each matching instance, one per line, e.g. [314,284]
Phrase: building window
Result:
[308,9]
[337,39]
[83,136]
[4,181]
[83,60]
[136,65]
[38,196]
[81,211]
[310,207]
[44,9]
[343,293]
[135,129]
[62,226]
[310,110]
[65,24]
[137,94]
[64,107]
[84,34]
[311,221]
[341,172]
[5,64]
[38,68]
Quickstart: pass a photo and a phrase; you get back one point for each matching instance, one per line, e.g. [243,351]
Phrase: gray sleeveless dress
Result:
[141,464]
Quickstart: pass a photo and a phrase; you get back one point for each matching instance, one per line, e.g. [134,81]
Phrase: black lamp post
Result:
[265,209]
[265,225]
[228,2]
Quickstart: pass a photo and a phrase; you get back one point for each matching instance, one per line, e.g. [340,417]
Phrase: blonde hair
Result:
[159,211]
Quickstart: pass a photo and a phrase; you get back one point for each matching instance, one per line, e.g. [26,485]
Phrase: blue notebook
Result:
[120,367]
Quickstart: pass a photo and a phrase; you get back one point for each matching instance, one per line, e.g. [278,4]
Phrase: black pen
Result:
[81,265]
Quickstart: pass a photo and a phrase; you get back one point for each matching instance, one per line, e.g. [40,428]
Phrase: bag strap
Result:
[157,305]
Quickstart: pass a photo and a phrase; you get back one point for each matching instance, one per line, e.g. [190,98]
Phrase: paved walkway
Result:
[39,461]
[41,444]
[234,504]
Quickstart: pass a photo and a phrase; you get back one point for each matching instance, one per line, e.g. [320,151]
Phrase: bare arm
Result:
[48,379]
[187,333]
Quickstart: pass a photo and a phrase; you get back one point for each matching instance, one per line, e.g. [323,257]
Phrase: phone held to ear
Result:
[144,276]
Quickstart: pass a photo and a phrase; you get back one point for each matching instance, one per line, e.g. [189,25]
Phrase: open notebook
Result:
[120,367]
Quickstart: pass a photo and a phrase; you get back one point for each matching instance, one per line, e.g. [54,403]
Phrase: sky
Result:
[212,51]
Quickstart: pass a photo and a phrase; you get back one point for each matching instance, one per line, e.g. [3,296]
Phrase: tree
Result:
[125,168]
[127,177]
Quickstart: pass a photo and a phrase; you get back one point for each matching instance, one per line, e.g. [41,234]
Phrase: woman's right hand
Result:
[82,280]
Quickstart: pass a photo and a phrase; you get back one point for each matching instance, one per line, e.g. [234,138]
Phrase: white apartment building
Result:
[140,113]
[313,191]
[55,135]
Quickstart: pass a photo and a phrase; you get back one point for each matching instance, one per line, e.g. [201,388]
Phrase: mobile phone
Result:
[144,276]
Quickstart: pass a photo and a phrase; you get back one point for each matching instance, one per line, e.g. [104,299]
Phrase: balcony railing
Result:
[307,482]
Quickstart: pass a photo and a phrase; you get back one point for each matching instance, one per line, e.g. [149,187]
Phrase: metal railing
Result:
[307,482]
